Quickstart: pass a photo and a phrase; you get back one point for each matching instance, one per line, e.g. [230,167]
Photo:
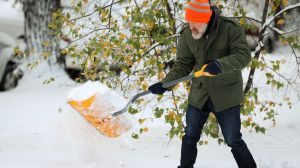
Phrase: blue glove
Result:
[157,88]
[213,67]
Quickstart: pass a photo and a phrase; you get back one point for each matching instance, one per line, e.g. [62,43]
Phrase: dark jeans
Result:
[230,123]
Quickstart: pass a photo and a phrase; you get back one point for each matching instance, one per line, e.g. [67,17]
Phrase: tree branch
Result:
[279,13]
[297,60]
[97,9]
[137,5]
[157,44]
[171,16]
[257,54]
[246,17]
[109,17]
[271,27]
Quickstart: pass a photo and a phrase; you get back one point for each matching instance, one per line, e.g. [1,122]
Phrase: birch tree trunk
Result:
[38,14]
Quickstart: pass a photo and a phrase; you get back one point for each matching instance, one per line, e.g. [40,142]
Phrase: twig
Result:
[297,60]
[137,5]
[109,17]
[157,44]
[95,11]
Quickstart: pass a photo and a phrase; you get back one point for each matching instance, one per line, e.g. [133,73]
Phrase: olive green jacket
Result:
[227,44]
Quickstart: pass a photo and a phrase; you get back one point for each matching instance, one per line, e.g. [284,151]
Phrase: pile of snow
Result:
[90,88]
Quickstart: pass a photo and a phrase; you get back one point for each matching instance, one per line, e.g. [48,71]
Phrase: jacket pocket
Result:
[197,82]
[228,79]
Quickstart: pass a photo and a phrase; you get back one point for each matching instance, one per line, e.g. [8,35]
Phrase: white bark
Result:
[38,14]
[279,13]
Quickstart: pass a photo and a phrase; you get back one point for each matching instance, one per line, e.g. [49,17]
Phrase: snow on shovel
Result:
[92,101]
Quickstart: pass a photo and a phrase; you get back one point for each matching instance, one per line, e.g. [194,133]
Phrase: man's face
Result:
[198,29]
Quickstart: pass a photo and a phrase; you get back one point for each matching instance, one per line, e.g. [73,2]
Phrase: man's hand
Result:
[157,88]
[213,68]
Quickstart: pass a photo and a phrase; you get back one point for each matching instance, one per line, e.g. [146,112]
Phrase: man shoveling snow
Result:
[219,42]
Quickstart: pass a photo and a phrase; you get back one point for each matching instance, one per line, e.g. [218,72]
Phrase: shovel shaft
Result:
[130,103]
[175,82]
[165,85]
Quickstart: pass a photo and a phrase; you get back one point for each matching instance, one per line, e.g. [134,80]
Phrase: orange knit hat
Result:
[198,11]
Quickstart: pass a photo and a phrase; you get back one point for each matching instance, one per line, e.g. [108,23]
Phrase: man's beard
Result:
[197,34]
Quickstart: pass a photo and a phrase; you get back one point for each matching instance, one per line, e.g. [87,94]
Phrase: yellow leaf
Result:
[64,51]
[141,121]
[161,75]
[171,114]
[145,129]
[280,22]
[141,52]
[175,102]
[122,36]
[173,50]
[145,3]
[285,3]
[129,62]
[284,42]
[242,21]
[145,85]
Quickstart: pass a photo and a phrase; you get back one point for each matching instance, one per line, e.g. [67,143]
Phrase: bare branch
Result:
[257,54]
[109,17]
[171,15]
[281,32]
[97,9]
[279,13]
[297,60]
[82,37]
[246,17]
[157,44]
[137,5]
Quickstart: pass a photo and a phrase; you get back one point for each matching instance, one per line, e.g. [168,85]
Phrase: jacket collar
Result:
[213,20]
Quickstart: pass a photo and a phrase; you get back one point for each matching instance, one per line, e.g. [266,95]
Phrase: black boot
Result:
[184,167]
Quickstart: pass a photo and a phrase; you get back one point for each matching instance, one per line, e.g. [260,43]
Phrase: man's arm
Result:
[184,63]
[240,54]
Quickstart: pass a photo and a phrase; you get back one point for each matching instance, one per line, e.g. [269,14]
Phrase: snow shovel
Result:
[166,85]
[91,100]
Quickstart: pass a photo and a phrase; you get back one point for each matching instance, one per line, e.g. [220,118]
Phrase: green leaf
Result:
[134,136]
[158,112]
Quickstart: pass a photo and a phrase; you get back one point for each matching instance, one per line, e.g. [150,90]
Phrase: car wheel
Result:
[9,79]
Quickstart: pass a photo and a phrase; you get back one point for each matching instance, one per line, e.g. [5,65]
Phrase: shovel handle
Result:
[189,77]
